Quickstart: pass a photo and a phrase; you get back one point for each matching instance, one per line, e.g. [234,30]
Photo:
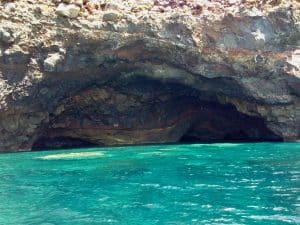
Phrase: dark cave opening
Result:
[214,122]
[170,113]
[50,143]
[223,123]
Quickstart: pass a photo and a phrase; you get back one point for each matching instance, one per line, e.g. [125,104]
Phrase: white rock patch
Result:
[70,11]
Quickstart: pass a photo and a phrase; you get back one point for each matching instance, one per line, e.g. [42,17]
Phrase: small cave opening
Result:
[225,124]
[61,142]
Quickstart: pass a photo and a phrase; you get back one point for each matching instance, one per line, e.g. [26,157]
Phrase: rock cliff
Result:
[95,72]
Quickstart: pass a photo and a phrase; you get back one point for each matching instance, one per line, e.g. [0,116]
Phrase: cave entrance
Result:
[146,111]
[223,123]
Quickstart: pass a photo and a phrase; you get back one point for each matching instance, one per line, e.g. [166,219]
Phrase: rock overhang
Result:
[239,59]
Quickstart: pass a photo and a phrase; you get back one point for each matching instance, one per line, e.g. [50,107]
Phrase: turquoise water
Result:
[164,184]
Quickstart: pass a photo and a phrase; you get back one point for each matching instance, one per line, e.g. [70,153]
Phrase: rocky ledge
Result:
[81,73]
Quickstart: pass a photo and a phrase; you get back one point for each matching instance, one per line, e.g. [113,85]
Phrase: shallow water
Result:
[162,184]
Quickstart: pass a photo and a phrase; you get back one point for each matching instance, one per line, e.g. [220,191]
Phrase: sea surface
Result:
[256,183]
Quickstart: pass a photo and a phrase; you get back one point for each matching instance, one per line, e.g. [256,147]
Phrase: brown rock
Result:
[230,72]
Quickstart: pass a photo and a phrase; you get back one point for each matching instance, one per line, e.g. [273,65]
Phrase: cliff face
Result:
[133,72]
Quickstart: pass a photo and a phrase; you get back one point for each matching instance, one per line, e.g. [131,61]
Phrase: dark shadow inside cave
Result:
[142,111]
[223,123]
[47,143]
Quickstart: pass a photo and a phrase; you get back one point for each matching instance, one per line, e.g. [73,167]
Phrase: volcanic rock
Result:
[228,72]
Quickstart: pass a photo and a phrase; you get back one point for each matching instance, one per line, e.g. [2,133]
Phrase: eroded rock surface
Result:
[131,72]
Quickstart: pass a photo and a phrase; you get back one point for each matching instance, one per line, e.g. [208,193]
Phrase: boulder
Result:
[6,37]
[111,16]
[68,10]
[52,61]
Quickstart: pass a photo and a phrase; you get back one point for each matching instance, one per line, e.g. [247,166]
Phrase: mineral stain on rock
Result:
[85,73]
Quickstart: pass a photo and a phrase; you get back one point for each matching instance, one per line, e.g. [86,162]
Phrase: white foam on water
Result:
[73,155]
[150,185]
[230,209]
[170,187]
[168,149]
[251,187]
[279,209]
[278,172]
[190,204]
[223,220]
[151,153]
[153,206]
[103,199]
[206,206]
[209,186]
[282,218]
